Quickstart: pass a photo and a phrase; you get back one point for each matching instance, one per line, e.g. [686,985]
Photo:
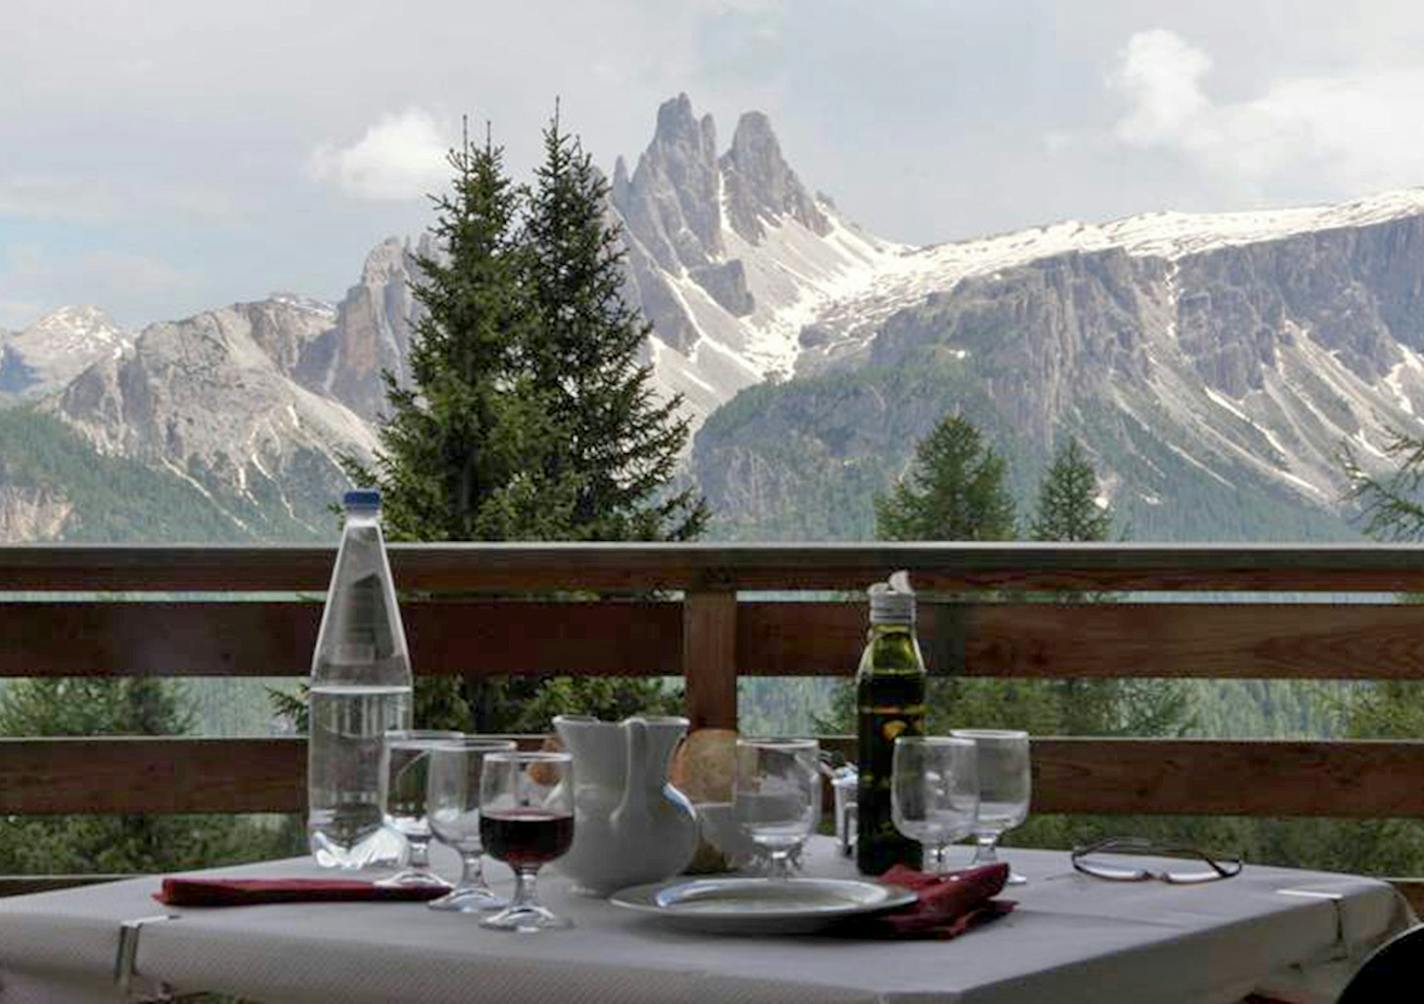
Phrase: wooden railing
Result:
[683,610]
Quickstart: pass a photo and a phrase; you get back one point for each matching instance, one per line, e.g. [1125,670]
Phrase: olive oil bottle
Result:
[890,702]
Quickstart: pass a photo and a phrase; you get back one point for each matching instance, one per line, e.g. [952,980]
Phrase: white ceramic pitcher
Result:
[630,825]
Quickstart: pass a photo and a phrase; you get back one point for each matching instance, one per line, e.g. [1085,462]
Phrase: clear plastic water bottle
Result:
[360,688]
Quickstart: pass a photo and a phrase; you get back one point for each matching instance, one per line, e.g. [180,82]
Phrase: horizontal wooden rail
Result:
[108,775]
[1348,779]
[454,637]
[639,567]
[627,638]
[474,610]
[1259,641]
[1373,778]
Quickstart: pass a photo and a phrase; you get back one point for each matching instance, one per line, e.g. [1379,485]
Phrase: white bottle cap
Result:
[892,602]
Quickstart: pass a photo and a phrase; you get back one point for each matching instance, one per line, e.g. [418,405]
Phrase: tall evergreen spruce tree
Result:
[1069,510]
[528,415]
[461,448]
[611,441]
[1391,508]
[460,455]
[954,490]
[615,441]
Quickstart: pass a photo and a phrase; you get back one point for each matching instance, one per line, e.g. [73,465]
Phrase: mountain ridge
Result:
[1238,349]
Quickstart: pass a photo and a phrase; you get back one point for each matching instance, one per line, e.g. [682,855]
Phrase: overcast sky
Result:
[162,156]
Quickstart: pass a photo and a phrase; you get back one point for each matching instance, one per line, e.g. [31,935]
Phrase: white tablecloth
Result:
[1072,939]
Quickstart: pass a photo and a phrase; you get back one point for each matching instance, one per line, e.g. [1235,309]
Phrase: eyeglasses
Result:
[1198,867]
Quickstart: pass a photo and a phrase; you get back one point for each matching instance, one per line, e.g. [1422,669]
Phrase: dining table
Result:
[1278,933]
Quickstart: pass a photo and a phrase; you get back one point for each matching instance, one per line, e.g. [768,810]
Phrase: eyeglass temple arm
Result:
[1143,845]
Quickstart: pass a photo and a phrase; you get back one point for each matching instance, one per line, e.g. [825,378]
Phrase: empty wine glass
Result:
[452,805]
[934,791]
[776,795]
[405,766]
[526,821]
[1005,783]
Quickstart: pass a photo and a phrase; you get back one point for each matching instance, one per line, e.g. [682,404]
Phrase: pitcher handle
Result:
[634,806]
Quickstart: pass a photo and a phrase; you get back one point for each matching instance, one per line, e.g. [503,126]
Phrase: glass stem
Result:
[984,853]
[419,854]
[780,865]
[939,868]
[524,889]
[472,872]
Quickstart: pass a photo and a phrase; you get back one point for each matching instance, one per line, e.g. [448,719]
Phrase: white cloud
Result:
[1163,75]
[400,157]
[1348,133]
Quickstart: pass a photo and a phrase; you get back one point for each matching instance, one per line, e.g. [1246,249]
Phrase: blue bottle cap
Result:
[363,499]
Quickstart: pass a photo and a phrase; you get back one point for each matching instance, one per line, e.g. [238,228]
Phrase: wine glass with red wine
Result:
[526,821]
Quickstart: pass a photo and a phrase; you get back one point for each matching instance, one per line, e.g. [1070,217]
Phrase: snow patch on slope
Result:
[794,274]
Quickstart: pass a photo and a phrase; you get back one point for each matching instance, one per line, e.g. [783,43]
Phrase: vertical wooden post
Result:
[709,658]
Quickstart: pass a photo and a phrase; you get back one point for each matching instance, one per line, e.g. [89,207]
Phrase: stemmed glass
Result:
[405,766]
[526,821]
[934,791]
[1005,783]
[776,796]
[453,808]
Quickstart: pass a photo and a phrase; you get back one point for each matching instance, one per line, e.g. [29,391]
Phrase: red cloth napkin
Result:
[249,892]
[948,905]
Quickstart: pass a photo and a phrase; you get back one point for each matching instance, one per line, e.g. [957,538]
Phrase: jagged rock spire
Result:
[671,201]
[759,182]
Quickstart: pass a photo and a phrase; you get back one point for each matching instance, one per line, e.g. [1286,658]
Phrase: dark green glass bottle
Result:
[890,701]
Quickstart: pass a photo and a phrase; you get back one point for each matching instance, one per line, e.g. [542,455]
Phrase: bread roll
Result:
[704,765]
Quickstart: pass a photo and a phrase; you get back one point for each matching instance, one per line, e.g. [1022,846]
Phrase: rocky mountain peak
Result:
[678,125]
[57,347]
[385,261]
[78,320]
[285,324]
[726,286]
[760,184]
[370,333]
[618,191]
[671,201]
[206,399]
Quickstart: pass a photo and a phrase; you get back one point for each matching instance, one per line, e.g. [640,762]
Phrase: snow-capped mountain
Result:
[1239,351]
[1168,236]
[728,255]
[56,348]
[1247,347]
[1213,365]
[215,401]
[732,260]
